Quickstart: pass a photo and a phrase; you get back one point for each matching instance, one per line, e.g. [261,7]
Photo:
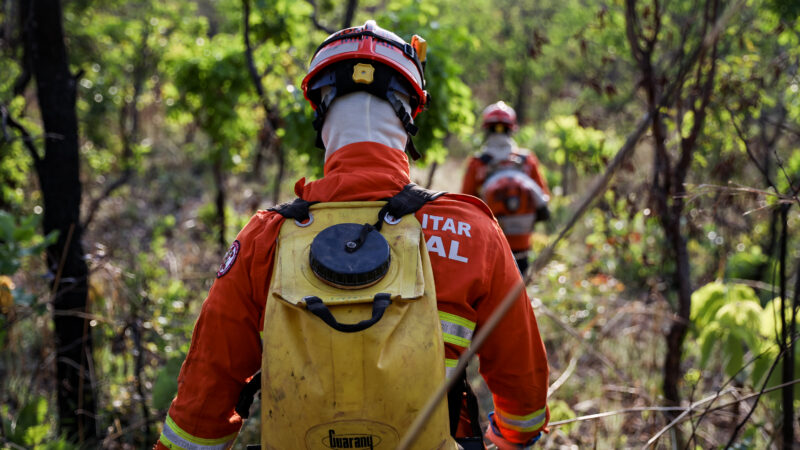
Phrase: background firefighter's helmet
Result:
[368,58]
[499,114]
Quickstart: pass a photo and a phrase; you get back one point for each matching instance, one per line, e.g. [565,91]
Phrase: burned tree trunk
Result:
[58,173]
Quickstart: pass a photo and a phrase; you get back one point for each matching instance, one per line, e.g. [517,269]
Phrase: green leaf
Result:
[166,384]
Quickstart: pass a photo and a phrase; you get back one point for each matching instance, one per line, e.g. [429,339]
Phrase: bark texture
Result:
[59,179]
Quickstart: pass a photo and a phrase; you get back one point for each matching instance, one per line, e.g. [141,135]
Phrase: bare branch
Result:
[113,186]
[352,5]
[314,19]
[573,363]
[139,74]
[749,150]
[763,391]
[561,423]
[254,76]
[26,137]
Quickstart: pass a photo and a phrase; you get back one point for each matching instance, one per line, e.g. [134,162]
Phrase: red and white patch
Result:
[229,259]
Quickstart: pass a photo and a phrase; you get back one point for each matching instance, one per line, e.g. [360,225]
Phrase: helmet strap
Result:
[403,115]
[323,106]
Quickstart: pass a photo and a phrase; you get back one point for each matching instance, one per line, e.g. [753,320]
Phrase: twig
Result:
[574,333]
[84,315]
[757,285]
[752,410]
[26,137]
[749,150]
[685,412]
[13,445]
[601,415]
[727,382]
[561,423]
[314,20]
[573,362]
[116,184]
[270,116]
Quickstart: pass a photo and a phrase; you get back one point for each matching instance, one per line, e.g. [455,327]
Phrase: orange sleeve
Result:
[226,347]
[535,172]
[471,183]
[513,360]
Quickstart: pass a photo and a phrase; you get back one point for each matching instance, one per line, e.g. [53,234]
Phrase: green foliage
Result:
[31,426]
[585,147]
[166,384]
[746,264]
[709,300]
[19,239]
[727,317]
[560,410]
[730,324]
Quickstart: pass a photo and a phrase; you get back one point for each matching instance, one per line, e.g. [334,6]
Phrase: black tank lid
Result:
[335,264]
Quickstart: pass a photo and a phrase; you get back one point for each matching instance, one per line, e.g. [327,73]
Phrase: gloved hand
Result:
[493,434]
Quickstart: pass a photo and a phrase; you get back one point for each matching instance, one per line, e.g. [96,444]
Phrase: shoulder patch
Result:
[471,199]
[229,259]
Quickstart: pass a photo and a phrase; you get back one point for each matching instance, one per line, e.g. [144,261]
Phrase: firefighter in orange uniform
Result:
[364,129]
[509,179]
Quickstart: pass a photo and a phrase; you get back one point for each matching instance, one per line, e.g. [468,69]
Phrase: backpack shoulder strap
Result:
[407,201]
[296,209]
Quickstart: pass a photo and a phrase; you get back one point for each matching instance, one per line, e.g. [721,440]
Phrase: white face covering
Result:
[499,145]
[362,117]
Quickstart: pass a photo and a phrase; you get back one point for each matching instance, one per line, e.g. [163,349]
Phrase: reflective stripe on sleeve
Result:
[174,438]
[456,330]
[449,367]
[524,424]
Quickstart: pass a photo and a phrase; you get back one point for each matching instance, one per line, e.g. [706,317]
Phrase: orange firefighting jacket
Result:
[473,270]
[477,173]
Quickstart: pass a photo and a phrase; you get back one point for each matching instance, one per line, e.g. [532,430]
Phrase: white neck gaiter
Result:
[499,146]
[362,117]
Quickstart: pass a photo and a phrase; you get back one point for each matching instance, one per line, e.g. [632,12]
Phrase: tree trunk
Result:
[679,327]
[58,173]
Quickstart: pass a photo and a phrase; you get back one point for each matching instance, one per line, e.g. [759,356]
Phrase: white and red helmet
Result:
[499,114]
[369,58]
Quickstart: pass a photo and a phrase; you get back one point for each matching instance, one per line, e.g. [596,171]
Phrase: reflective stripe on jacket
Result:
[473,270]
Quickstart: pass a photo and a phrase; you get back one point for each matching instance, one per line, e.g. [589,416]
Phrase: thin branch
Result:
[433,401]
[588,347]
[573,363]
[350,12]
[758,397]
[794,189]
[314,19]
[561,423]
[639,409]
[749,150]
[26,137]
[270,116]
[95,205]
[730,379]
